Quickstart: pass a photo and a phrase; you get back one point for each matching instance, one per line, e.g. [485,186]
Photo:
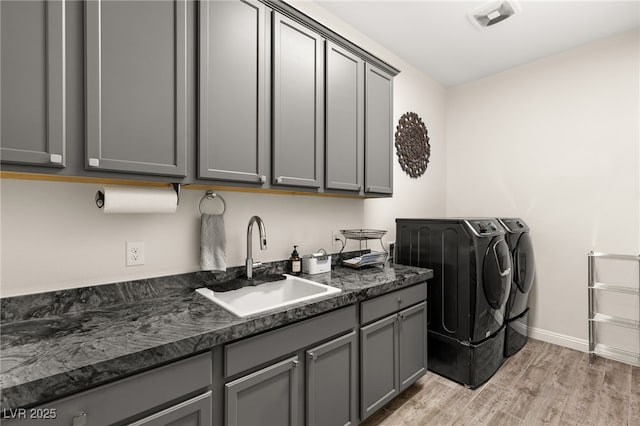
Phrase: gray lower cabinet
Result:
[266,397]
[232,133]
[378,166]
[393,350]
[32,119]
[412,344]
[147,398]
[344,158]
[193,412]
[303,373]
[331,382]
[298,104]
[379,354]
[136,86]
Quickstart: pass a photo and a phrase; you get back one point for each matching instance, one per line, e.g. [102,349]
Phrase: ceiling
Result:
[439,38]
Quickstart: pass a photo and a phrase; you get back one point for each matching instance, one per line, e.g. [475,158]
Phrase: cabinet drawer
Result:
[392,302]
[194,412]
[257,350]
[117,401]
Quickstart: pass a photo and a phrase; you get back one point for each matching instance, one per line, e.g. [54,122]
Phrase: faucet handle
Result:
[256,264]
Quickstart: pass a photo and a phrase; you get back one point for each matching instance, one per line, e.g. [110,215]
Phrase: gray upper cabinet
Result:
[344,119]
[378,131]
[109,88]
[332,382]
[298,104]
[232,136]
[32,120]
[136,84]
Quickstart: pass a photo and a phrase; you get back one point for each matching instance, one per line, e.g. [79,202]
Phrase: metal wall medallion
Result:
[412,144]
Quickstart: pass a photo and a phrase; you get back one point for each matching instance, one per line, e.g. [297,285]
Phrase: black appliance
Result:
[466,298]
[524,269]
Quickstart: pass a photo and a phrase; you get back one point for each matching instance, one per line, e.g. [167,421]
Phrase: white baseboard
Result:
[571,342]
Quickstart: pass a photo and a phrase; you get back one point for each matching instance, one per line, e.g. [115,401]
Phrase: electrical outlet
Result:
[135,253]
[336,238]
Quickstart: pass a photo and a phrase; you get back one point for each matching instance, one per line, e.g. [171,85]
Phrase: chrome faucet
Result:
[263,244]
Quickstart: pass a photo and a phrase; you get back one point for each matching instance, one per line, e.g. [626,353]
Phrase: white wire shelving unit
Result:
[594,288]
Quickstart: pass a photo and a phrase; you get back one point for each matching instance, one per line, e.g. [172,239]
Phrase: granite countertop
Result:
[58,343]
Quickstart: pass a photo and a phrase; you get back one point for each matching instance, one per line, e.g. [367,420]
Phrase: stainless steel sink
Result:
[252,300]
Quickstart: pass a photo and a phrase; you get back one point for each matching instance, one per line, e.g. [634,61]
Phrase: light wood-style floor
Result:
[541,384]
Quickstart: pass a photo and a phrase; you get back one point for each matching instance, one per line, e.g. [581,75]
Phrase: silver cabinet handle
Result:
[263,178]
[279,179]
[80,419]
[55,159]
[295,363]
[313,356]
[94,162]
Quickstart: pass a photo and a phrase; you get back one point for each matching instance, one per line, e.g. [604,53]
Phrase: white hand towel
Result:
[213,243]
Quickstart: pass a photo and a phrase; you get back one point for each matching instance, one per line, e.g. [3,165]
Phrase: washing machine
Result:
[524,269]
[466,299]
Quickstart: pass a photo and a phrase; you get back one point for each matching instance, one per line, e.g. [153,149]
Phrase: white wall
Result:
[53,236]
[556,142]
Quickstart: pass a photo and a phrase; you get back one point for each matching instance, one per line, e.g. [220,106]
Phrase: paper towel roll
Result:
[126,199]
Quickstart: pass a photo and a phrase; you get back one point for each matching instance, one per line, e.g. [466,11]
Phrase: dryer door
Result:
[496,274]
[524,263]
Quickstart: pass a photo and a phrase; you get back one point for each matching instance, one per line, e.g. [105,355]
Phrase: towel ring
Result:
[210,195]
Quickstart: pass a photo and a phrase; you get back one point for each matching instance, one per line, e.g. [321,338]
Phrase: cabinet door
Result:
[32,120]
[232,91]
[136,81]
[378,167]
[194,412]
[114,403]
[412,344]
[379,372]
[345,119]
[298,104]
[266,397]
[331,382]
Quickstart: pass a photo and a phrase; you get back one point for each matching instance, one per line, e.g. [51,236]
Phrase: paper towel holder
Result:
[210,195]
[100,199]
[100,196]
[176,187]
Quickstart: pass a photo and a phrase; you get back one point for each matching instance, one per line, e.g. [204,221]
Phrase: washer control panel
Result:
[484,227]
[514,224]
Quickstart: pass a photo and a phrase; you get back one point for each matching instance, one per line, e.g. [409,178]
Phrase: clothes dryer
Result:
[467,296]
[524,269]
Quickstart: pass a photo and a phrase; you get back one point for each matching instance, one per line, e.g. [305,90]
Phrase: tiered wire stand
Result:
[363,236]
[594,287]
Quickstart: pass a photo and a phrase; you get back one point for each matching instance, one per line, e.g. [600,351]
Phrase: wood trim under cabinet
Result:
[201,187]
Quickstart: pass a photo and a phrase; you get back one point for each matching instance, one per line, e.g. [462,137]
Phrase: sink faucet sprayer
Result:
[263,244]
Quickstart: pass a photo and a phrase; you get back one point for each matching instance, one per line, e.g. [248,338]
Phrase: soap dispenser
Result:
[295,263]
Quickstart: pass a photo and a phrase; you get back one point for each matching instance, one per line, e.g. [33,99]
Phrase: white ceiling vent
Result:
[492,13]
